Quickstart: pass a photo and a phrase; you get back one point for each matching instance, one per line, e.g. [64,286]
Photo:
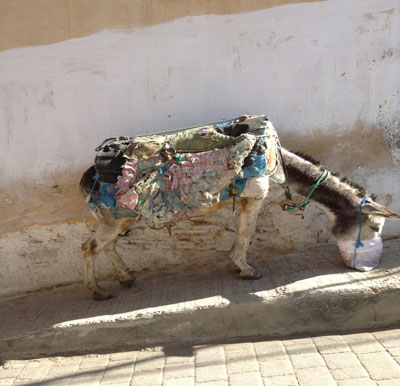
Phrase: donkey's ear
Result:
[373,208]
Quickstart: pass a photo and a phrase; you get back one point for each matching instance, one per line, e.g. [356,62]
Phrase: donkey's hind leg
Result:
[105,238]
[125,277]
[246,224]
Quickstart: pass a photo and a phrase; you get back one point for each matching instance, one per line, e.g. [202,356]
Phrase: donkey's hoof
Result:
[251,275]
[101,295]
[127,283]
[255,276]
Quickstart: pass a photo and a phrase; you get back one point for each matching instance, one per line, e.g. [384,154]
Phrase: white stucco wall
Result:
[327,73]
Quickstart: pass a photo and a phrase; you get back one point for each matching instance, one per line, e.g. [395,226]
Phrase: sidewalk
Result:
[300,293]
[209,313]
[356,359]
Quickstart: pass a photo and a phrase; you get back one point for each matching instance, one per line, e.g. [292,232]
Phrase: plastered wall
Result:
[326,72]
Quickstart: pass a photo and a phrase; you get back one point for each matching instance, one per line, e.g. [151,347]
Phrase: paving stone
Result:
[243,361]
[276,368]
[331,344]
[245,353]
[62,381]
[298,342]
[316,377]
[86,380]
[183,359]
[149,360]
[67,361]
[380,365]
[245,379]
[213,383]
[349,373]
[341,360]
[6,381]
[303,361]
[211,355]
[62,371]
[179,370]
[147,378]
[389,382]
[13,365]
[305,348]
[10,372]
[272,350]
[394,351]
[238,346]
[363,343]
[242,366]
[188,381]
[357,382]
[281,380]
[93,362]
[124,356]
[34,371]
[211,373]
[389,338]
[118,372]
[116,383]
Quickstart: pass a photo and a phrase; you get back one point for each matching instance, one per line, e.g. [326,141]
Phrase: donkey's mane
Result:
[361,190]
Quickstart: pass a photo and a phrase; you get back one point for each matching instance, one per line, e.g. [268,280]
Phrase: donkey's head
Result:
[346,203]
[363,221]
[358,233]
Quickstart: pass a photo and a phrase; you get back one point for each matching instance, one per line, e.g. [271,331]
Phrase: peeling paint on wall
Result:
[390,126]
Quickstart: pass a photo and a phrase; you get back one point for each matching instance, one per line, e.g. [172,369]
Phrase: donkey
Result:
[351,216]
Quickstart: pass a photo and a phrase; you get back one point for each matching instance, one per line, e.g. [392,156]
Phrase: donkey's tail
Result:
[87,181]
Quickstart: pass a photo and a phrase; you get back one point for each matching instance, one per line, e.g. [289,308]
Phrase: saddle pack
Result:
[163,177]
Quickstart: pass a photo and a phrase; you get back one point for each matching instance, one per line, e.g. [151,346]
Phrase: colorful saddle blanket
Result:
[163,178]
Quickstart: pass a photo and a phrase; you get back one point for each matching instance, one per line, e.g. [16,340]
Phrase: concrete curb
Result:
[328,298]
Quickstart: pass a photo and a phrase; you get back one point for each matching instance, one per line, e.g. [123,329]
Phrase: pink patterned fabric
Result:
[126,196]
[182,175]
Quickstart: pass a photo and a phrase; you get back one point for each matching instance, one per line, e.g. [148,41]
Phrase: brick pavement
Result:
[369,358]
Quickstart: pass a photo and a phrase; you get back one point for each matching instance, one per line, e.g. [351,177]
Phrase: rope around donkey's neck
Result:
[321,180]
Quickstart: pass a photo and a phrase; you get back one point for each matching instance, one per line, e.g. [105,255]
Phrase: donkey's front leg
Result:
[246,224]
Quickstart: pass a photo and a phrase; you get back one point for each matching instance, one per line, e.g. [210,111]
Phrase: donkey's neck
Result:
[334,195]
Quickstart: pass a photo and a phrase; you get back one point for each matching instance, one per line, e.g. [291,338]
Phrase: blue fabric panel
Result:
[258,168]
[104,198]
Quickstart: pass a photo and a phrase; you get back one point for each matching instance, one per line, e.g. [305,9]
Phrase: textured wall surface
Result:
[326,72]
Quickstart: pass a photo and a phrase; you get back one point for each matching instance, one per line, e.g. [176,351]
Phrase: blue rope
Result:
[91,204]
[359,243]
[276,182]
